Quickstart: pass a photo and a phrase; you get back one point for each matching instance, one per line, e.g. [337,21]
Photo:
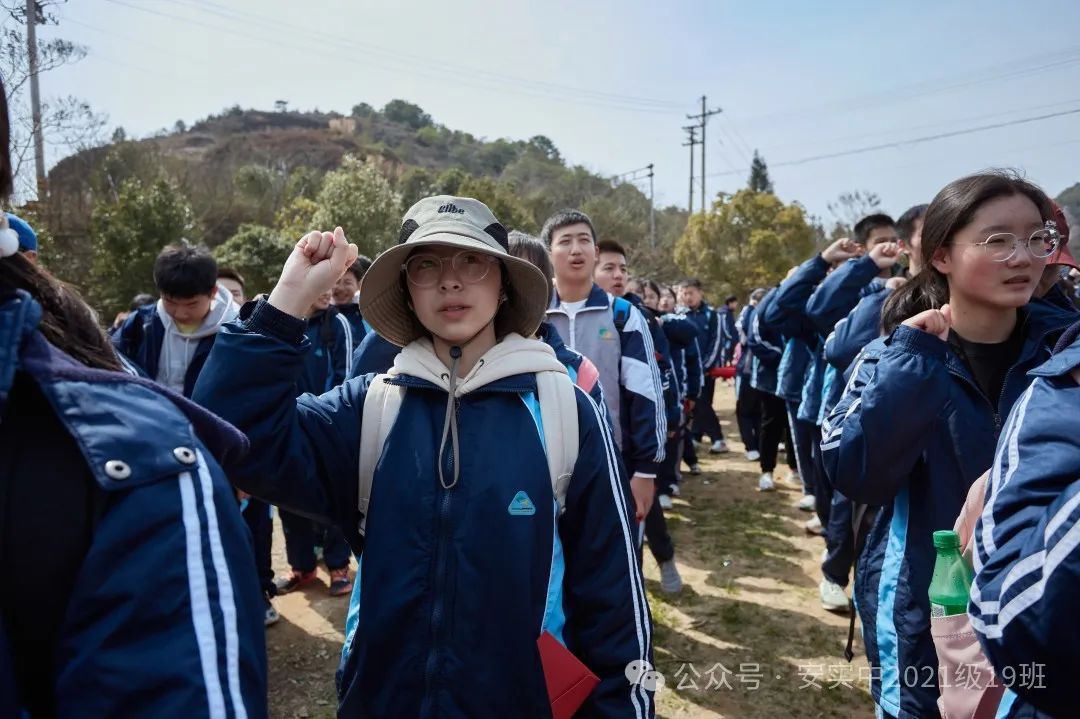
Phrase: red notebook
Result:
[569,682]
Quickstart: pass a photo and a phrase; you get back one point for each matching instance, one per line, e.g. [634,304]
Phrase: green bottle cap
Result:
[946,539]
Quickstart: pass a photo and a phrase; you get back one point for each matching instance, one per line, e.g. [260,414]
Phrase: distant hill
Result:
[243,166]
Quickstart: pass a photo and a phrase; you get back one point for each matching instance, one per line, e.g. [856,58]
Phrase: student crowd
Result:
[492,425]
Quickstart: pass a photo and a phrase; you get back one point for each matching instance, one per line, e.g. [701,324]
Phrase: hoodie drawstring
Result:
[450,423]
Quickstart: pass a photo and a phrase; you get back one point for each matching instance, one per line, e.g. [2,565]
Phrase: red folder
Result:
[569,682]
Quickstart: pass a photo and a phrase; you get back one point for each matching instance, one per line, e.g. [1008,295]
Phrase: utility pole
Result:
[703,118]
[35,98]
[652,209]
[632,176]
[692,140]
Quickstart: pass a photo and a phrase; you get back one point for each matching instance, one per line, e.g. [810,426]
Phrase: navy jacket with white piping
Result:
[708,324]
[329,360]
[683,337]
[786,314]
[911,433]
[1023,600]
[725,325]
[455,588]
[626,360]
[142,636]
[767,346]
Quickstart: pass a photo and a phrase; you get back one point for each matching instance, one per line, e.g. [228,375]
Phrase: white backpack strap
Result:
[381,405]
[558,415]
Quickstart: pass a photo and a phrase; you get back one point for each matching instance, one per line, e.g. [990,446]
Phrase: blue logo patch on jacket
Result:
[521,506]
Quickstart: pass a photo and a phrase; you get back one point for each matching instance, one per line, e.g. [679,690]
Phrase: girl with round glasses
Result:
[923,409]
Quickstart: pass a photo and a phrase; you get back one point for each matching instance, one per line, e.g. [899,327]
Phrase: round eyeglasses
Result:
[425,270]
[1003,246]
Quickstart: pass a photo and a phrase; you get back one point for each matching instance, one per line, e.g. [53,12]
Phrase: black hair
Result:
[183,271]
[905,226]
[229,273]
[611,246]
[951,210]
[730,298]
[692,282]
[359,268]
[564,218]
[139,300]
[868,224]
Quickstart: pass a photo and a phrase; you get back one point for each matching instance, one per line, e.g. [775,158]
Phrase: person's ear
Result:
[942,260]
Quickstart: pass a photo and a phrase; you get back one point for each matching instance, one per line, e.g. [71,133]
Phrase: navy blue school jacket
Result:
[910,434]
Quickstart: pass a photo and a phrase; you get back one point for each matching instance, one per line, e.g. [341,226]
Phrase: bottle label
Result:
[946,610]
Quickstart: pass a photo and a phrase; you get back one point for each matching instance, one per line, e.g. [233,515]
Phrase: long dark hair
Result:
[951,210]
[67,322]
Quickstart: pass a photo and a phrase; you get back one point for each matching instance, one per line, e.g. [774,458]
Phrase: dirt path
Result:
[746,638]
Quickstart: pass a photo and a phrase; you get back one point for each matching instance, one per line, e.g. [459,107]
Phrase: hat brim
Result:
[383,299]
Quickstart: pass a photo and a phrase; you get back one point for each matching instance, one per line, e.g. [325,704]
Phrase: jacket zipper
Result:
[442,532]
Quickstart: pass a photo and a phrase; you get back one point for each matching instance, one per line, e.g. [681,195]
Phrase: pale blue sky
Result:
[610,81]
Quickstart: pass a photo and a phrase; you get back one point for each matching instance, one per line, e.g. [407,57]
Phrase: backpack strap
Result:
[381,406]
[857,520]
[620,312]
[558,415]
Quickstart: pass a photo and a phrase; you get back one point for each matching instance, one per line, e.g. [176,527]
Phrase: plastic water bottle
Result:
[951,583]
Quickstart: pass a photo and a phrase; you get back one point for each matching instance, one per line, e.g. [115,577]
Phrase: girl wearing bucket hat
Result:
[474,562]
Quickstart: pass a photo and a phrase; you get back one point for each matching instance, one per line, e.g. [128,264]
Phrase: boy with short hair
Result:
[171,339]
[613,334]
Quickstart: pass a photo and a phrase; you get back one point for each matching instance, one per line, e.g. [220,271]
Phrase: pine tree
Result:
[759,175]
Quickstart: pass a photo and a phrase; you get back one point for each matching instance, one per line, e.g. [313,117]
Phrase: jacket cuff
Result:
[818,263]
[263,318]
[867,269]
[909,339]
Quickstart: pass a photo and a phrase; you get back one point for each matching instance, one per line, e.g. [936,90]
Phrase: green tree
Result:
[749,239]
[406,113]
[127,235]
[502,201]
[258,253]
[759,175]
[362,202]
[363,110]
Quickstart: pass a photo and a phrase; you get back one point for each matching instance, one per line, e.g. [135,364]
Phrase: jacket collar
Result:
[597,299]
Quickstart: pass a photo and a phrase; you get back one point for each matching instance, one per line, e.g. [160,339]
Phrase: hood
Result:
[514,355]
[222,309]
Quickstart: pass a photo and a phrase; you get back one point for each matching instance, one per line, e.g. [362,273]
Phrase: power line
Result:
[913,141]
[1016,68]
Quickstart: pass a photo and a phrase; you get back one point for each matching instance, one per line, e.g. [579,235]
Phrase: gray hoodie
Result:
[179,347]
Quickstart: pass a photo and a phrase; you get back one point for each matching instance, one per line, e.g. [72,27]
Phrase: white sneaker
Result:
[833,597]
[808,503]
[765,483]
[670,581]
[719,447]
[753,455]
[814,527]
[665,501]
[794,479]
[675,491]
